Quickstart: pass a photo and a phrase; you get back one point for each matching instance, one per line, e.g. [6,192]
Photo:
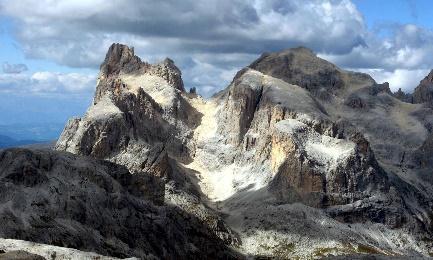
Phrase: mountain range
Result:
[6,141]
[295,159]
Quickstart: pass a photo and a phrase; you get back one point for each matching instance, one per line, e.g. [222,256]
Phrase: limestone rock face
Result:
[320,150]
[294,158]
[126,121]
[116,131]
[121,58]
[320,170]
[142,119]
[423,93]
[311,159]
[168,71]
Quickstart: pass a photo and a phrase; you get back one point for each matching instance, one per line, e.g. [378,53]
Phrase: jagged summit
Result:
[120,62]
[121,58]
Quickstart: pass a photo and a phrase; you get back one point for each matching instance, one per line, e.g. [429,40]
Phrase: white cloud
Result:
[399,78]
[201,73]
[77,33]
[48,83]
[210,39]
[408,47]
[402,59]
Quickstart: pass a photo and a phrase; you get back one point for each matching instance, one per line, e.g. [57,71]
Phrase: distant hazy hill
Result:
[30,135]
[6,141]
[32,131]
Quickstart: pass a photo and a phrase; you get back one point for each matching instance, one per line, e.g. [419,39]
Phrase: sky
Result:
[50,51]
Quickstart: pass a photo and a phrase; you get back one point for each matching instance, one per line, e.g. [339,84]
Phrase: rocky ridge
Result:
[295,158]
[423,93]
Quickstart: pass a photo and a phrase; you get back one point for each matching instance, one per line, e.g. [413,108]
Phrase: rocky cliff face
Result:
[284,124]
[295,158]
[350,151]
[424,91]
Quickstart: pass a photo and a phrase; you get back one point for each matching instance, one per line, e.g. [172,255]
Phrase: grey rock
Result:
[73,201]
[20,255]
[370,185]
[405,97]
[294,150]
[301,67]
[423,93]
[120,59]
[127,126]
[257,104]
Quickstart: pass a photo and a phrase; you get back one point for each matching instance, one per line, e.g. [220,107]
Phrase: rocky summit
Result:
[296,158]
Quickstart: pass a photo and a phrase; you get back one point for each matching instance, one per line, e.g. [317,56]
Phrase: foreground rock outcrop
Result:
[25,250]
[296,158]
[72,201]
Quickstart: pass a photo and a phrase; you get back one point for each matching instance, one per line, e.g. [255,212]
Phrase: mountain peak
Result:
[119,49]
[171,73]
[300,66]
[301,50]
[120,57]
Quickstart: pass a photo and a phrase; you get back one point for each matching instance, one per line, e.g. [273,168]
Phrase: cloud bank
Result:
[211,40]
[47,83]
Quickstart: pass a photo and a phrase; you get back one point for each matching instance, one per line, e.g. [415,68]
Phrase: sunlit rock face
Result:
[295,158]
[321,170]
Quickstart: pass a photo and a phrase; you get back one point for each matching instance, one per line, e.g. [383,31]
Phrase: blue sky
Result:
[385,12]
[50,50]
